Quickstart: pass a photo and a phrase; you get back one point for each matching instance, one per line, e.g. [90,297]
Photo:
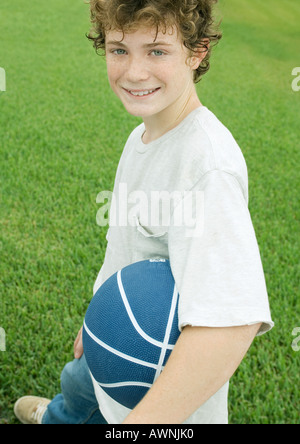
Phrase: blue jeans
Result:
[76,404]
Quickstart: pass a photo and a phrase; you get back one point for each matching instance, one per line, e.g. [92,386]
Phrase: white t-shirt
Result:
[184,197]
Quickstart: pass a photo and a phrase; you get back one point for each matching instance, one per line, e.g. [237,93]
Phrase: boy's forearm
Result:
[202,361]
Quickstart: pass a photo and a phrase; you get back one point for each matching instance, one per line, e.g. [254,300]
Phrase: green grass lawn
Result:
[61,135]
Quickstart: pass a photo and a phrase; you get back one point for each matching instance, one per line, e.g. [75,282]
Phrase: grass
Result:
[61,135]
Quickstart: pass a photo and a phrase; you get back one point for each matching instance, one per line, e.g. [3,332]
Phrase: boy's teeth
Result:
[142,93]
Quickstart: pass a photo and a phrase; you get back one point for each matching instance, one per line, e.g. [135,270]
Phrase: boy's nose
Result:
[137,70]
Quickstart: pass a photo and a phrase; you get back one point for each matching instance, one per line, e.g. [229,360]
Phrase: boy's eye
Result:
[119,51]
[157,52]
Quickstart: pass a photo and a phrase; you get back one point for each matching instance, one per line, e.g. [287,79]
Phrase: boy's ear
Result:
[199,54]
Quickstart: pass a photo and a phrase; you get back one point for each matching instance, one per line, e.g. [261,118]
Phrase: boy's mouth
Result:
[141,93]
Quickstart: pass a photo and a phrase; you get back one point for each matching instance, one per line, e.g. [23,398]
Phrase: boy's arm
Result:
[202,361]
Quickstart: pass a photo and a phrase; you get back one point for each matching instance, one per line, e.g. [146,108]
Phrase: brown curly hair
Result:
[193,18]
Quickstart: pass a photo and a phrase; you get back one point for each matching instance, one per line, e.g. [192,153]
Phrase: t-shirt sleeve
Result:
[215,257]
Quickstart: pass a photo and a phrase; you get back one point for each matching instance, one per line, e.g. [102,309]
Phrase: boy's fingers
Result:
[78,346]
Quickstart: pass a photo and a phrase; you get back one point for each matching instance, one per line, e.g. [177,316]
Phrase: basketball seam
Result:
[133,319]
[117,352]
[167,333]
[124,384]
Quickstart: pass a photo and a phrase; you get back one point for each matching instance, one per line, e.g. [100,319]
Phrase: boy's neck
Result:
[159,124]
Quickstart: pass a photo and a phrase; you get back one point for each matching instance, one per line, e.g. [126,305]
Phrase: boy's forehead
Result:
[143,36]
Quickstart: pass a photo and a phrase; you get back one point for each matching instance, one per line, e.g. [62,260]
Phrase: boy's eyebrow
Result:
[154,44]
[147,45]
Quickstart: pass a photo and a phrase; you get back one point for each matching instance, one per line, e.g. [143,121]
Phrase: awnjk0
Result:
[175,433]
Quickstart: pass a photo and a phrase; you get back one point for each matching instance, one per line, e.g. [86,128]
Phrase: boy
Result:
[156,50]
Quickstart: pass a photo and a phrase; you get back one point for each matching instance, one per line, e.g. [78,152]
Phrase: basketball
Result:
[130,329]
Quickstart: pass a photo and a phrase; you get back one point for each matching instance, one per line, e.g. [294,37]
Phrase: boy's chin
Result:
[143,114]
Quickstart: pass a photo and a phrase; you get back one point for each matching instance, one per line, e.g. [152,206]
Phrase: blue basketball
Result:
[130,329]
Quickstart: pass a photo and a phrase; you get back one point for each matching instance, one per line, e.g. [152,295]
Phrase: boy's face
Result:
[149,73]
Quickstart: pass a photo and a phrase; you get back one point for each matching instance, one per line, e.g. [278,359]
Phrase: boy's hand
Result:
[78,346]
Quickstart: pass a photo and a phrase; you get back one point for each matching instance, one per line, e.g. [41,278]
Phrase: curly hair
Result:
[193,18]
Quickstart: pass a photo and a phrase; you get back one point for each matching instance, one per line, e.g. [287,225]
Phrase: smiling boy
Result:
[155,53]
[151,75]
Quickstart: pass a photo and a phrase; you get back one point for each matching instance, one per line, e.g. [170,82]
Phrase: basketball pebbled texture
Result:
[130,329]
